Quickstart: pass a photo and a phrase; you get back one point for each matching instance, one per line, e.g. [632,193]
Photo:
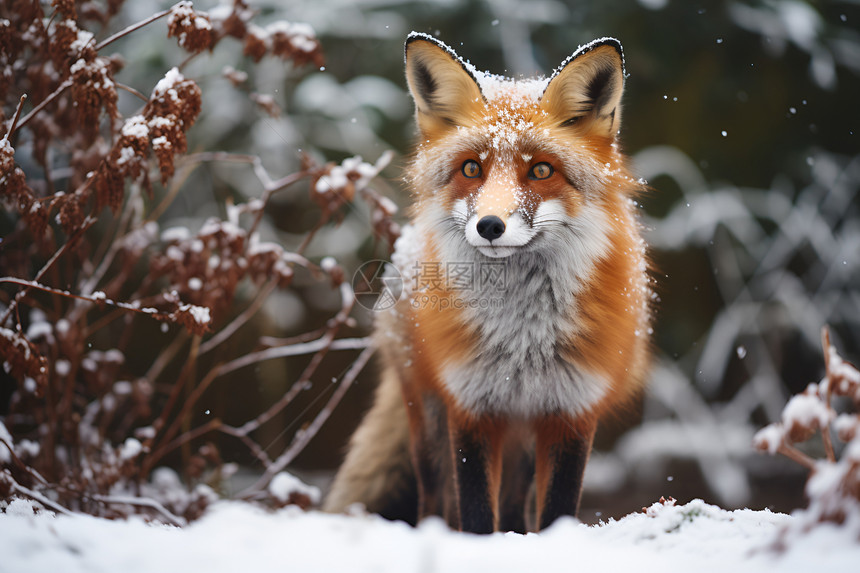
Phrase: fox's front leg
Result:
[562,449]
[476,448]
[423,426]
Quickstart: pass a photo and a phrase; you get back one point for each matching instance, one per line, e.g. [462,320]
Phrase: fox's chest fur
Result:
[519,317]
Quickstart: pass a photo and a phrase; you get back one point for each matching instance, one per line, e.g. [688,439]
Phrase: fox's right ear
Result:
[585,92]
[446,93]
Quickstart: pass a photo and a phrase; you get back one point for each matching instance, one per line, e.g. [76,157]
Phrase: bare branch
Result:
[35,495]
[53,95]
[303,438]
[88,222]
[91,298]
[15,117]
[236,324]
[128,30]
[132,91]
[796,455]
[831,382]
[141,502]
[294,350]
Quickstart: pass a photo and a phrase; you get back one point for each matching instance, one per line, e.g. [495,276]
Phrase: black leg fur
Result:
[471,465]
[568,459]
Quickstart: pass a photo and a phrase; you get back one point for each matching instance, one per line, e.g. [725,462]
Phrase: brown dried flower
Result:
[65,7]
[236,77]
[20,357]
[172,109]
[192,29]
[93,90]
[267,104]
[256,43]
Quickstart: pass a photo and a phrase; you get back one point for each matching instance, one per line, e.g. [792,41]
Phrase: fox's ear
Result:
[586,89]
[446,93]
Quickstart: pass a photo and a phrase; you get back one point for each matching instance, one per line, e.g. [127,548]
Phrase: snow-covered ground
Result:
[235,536]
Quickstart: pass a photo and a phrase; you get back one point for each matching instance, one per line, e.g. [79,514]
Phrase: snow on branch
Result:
[834,484]
[101,396]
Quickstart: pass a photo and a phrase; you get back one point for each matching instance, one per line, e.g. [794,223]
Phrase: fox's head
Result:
[505,166]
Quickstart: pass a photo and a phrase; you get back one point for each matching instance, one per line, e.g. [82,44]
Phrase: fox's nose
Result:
[491,227]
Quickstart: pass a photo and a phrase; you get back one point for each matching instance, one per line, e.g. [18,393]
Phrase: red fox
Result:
[526,309]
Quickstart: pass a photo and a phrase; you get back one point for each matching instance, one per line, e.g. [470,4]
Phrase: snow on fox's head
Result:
[505,161]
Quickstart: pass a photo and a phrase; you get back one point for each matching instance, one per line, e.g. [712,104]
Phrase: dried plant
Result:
[85,259]
[834,485]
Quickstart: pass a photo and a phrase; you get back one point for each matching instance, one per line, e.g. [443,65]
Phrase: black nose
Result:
[491,227]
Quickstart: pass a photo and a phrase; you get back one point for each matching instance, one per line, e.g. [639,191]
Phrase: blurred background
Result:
[743,118]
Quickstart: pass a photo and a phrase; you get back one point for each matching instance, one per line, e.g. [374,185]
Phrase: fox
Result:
[525,314]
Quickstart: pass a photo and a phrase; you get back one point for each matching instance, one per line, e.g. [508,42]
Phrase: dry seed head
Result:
[191,28]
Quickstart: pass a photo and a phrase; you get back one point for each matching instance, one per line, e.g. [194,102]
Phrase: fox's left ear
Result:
[586,90]
[446,93]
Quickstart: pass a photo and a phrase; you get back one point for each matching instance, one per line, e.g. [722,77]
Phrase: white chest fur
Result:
[524,311]
[522,323]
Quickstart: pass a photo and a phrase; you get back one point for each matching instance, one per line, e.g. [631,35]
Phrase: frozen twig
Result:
[35,495]
[303,438]
[136,26]
[796,455]
[15,117]
[294,350]
[825,432]
[44,103]
[96,298]
[228,331]
[88,222]
[141,502]
[253,358]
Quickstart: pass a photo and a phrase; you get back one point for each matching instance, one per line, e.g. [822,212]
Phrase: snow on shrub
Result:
[287,489]
[833,487]
[96,405]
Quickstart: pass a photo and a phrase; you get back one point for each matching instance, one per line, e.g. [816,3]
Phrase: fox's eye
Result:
[540,171]
[471,169]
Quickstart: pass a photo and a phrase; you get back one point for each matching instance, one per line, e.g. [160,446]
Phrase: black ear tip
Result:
[614,43]
[605,41]
[417,37]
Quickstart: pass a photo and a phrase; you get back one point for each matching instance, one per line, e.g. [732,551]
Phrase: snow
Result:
[5,457]
[81,41]
[126,154]
[170,79]
[284,484]
[135,127]
[175,234]
[234,536]
[130,449]
[200,314]
[38,329]
[6,147]
[492,86]
[328,264]
[806,410]
[302,36]
[769,438]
